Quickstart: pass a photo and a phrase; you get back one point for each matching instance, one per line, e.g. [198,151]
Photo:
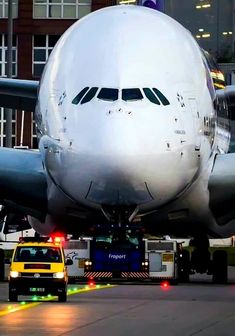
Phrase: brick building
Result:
[37,26]
[39,23]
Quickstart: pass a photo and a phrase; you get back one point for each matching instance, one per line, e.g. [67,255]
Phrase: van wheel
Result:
[62,297]
[13,297]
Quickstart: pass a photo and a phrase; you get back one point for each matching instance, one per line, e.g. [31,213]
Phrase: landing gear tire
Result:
[220,267]
[62,297]
[200,260]
[184,266]
[13,297]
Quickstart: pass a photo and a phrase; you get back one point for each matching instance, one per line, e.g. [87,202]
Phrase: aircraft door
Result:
[196,121]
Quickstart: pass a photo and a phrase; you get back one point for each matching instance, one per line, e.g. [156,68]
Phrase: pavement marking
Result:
[12,308]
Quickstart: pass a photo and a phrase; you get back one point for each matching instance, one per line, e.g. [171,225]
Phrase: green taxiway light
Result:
[23,303]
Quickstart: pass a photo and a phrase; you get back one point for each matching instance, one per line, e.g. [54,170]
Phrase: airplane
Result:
[131,133]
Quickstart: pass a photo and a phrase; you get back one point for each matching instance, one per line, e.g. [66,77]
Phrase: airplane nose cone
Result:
[117,161]
[117,169]
[124,159]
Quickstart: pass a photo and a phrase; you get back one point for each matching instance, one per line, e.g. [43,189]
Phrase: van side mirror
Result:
[69,262]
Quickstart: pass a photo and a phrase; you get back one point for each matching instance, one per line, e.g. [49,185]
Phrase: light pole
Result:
[218,27]
[8,112]
[233,30]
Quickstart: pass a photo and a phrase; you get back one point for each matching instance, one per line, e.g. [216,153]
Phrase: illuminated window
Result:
[4,8]
[42,47]
[127,2]
[3,56]
[203,6]
[66,9]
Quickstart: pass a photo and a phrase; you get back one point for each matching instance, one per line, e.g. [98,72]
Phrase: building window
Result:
[4,8]
[66,9]
[34,143]
[3,56]
[3,127]
[42,47]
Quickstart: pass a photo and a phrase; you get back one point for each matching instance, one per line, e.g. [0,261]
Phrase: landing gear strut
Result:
[201,261]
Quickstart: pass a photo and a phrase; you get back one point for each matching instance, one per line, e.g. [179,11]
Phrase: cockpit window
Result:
[108,94]
[90,94]
[151,96]
[131,94]
[77,99]
[161,96]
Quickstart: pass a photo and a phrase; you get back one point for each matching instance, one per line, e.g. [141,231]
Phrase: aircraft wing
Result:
[18,94]
[23,184]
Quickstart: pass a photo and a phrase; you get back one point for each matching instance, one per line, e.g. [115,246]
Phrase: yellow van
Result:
[38,267]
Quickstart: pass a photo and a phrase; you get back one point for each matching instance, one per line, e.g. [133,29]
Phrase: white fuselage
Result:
[126,153]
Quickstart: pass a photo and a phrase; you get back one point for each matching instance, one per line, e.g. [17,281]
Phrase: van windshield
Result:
[38,254]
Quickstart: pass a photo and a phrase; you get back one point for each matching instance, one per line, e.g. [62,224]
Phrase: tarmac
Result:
[197,308]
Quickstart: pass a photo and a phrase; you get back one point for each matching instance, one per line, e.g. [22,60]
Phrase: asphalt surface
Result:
[198,308]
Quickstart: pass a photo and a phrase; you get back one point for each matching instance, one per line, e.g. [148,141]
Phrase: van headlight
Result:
[14,274]
[58,275]
[88,263]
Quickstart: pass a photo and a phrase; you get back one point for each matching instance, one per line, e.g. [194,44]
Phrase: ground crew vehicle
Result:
[133,258]
[38,267]
[112,257]
[78,251]
[163,259]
